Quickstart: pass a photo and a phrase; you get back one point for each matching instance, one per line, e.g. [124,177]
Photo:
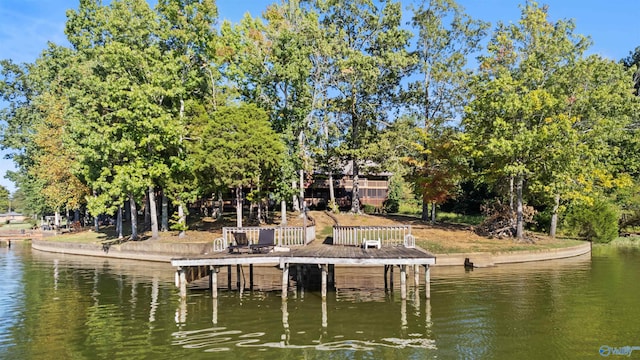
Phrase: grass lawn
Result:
[15,226]
[440,238]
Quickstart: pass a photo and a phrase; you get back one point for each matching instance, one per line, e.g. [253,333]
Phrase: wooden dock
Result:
[322,255]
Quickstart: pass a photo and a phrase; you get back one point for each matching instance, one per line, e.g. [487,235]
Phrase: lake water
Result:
[56,306]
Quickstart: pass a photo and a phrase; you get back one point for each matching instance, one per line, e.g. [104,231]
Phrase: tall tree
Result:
[238,148]
[123,127]
[369,61]
[514,97]
[446,39]
[633,62]
[190,41]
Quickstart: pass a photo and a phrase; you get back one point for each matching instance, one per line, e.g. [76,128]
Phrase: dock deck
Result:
[321,255]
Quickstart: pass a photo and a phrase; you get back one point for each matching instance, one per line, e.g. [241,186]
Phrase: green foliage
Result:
[177,224]
[333,207]
[394,196]
[238,147]
[368,209]
[4,199]
[460,218]
[597,222]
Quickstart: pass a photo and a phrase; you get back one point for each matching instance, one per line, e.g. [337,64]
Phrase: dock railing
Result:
[285,236]
[388,235]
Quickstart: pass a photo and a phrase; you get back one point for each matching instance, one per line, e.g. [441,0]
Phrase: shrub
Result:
[597,222]
[368,209]
[333,207]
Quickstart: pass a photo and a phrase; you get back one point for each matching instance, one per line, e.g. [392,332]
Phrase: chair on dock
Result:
[266,241]
[241,242]
[375,243]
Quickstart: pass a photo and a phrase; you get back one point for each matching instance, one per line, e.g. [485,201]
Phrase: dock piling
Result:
[403,282]
[285,280]
[427,281]
[213,281]
[324,280]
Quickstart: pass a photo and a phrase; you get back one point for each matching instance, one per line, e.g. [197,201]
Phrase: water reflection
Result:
[92,308]
[364,326]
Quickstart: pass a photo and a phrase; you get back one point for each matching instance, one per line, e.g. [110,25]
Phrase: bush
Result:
[333,207]
[391,206]
[597,223]
[368,209]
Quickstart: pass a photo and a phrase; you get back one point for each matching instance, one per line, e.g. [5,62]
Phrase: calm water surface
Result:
[56,306]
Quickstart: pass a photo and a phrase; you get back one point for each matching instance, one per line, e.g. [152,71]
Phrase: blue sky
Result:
[27,25]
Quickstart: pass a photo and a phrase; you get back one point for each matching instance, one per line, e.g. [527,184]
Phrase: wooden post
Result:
[386,271]
[416,276]
[403,282]
[324,280]
[324,313]
[183,283]
[285,281]
[215,311]
[391,277]
[213,281]
[251,277]
[403,314]
[238,277]
[427,281]
[229,277]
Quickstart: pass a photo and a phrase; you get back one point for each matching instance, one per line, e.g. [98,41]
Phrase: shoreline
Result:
[164,252]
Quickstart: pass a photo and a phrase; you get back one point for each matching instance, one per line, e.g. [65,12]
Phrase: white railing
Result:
[388,235]
[284,235]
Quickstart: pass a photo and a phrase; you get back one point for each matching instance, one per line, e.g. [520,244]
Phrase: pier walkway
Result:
[321,255]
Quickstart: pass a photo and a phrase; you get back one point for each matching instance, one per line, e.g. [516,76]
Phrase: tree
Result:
[4,198]
[446,38]
[189,41]
[368,63]
[514,96]
[633,62]
[237,149]
[122,119]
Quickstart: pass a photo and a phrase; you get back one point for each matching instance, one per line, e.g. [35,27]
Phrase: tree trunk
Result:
[301,189]
[239,206]
[519,216]
[511,207]
[153,213]
[424,216]
[165,213]
[76,215]
[355,190]
[283,212]
[56,219]
[554,216]
[182,218]
[220,204]
[134,218]
[259,212]
[127,211]
[332,194]
[147,213]
[433,212]
[296,202]
[119,223]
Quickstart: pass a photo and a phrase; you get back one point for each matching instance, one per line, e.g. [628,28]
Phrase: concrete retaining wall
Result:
[489,259]
[163,252]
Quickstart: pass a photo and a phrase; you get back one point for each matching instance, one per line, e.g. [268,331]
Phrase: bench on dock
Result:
[241,242]
[266,241]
